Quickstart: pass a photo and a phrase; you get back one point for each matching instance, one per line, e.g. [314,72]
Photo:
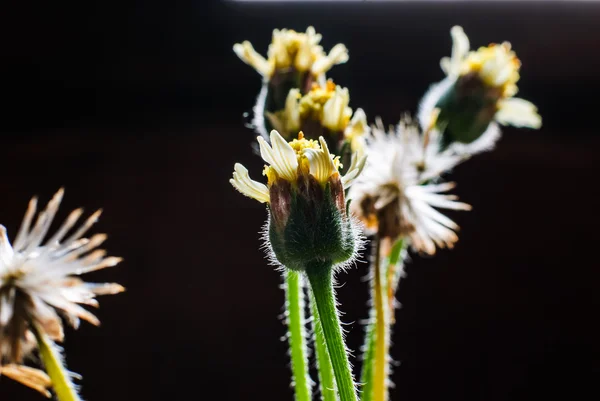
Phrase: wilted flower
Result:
[478,90]
[305,194]
[38,279]
[396,194]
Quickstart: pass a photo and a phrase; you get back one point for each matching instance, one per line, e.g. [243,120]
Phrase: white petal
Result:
[356,167]
[43,222]
[335,109]
[58,301]
[460,48]
[93,219]
[248,55]
[281,156]
[433,214]
[6,251]
[444,201]
[319,160]
[23,234]
[518,112]
[337,55]
[253,189]
[66,226]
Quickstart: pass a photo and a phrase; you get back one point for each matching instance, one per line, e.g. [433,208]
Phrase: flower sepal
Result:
[310,223]
[466,110]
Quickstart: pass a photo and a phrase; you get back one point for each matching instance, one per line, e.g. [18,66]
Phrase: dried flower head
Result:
[38,278]
[398,191]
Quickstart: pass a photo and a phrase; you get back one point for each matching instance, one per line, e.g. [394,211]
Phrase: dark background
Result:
[137,108]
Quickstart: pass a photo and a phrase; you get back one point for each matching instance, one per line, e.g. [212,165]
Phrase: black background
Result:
[137,107]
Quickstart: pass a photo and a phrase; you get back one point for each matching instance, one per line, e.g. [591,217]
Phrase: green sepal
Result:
[466,110]
[315,231]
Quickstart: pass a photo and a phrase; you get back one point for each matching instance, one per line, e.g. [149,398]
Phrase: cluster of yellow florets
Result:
[295,49]
[300,145]
[497,66]
[311,104]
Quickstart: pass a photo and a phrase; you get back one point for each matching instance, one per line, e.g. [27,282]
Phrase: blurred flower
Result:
[478,90]
[305,193]
[398,189]
[38,278]
[292,50]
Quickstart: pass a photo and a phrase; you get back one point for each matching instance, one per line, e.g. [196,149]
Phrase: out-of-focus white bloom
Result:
[397,192]
[38,278]
[497,67]
[291,49]
[290,162]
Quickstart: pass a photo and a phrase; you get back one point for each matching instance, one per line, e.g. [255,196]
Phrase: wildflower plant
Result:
[309,231]
[398,193]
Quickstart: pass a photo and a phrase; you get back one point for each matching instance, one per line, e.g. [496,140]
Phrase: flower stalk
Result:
[325,369]
[294,304]
[382,327]
[320,277]
[386,271]
[61,378]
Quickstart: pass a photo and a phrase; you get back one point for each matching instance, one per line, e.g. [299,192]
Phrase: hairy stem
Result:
[324,367]
[294,305]
[53,362]
[366,378]
[320,276]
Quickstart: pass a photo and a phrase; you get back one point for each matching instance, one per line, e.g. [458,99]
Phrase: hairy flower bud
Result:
[478,92]
[308,220]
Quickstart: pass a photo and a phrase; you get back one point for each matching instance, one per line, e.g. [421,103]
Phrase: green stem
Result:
[320,276]
[366,377]
[324,367]
[294,304]
[53,362]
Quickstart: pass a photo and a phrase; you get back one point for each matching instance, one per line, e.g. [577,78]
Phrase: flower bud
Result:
[295,61]
[316,225]
[308,220]
[324,111]
[478,91]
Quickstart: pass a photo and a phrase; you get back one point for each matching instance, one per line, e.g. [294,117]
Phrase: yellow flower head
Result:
[290,49]
[292,162]
[497,66]
[326,104]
